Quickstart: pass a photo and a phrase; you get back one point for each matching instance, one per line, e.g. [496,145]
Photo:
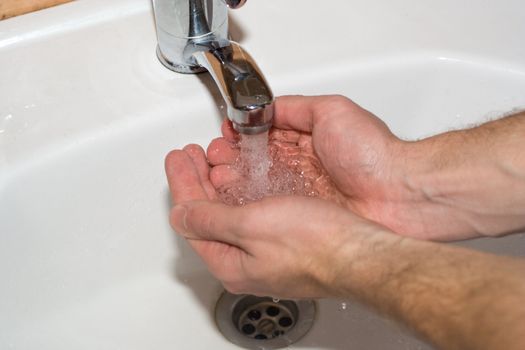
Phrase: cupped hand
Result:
[350,155]
[285,247]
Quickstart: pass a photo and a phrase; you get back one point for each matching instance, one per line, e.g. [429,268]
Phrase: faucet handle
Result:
[234,4]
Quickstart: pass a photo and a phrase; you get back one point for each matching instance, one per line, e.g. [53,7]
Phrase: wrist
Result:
[468,183]
[361,261]
[443,185]
[419,191]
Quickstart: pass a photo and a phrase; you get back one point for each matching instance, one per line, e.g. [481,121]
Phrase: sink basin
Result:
[87,114]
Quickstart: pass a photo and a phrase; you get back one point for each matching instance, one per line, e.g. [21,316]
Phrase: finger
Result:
[221,151]
[223,175]
[303,112]
[198,157]
[223,260]
[229,132]
[183,178]
[206,221]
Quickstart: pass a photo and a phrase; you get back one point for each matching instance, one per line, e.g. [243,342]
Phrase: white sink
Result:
[87,114]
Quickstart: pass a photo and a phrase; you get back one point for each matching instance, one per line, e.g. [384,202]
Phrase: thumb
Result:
[206,220]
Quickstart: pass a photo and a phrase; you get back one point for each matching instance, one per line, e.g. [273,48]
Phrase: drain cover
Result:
[261,323]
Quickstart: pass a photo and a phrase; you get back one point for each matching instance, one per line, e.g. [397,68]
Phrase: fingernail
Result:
[178,215]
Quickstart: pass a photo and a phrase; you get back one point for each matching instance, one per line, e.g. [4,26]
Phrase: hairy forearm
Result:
[474,177]
[456,298]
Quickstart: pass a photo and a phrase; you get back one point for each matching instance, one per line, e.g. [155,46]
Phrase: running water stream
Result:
[262,175]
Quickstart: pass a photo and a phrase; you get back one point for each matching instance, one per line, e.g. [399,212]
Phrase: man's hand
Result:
[286,247]
[299,247]
[428,189]
[351,156]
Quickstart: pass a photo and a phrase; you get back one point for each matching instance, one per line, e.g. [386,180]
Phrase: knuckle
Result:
[337,98]
[339,101]
[207,224]
[331,104]
[244,225]
[202,220]
[244,222]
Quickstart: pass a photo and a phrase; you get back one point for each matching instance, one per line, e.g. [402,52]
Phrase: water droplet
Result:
[276,300]
[264,172]
[343,306]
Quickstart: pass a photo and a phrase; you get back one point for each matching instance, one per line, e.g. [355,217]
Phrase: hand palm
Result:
[346,159]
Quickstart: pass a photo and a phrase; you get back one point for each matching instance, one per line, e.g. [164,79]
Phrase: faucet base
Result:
[178,67]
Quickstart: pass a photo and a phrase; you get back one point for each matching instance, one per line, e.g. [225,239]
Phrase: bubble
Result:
[264,171]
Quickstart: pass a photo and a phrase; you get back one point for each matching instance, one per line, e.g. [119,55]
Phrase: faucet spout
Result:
[248,96]
[193,36]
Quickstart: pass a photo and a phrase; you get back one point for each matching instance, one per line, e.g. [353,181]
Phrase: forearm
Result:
[456,298]
[475,178]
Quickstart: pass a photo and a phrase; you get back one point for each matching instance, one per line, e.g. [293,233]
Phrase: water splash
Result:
[262,173]
[343,306]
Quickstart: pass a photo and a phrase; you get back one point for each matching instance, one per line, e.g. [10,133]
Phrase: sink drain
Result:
[260,323]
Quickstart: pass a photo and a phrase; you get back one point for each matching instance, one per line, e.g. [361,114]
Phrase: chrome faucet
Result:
[193,37]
